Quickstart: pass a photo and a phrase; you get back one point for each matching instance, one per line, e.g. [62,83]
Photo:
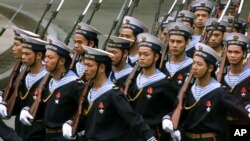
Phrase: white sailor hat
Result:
[170,19]
[204,5]
[235,3]
[87,30]
[19,31]
[134,24]
[236,39]
[185,16]
[207,53]
[119,42]
[222,4]
[148,40]
[97,54]
[210,23]
[177,28]
[230,20]
[58,47]
[34,44]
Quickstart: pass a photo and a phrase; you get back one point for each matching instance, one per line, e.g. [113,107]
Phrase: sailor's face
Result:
[28,57]
[127,33]
[146,57]
[177,45]
[90,68]
[79,41]
[199,67]
[235,54]
[51,60]
[200,18]
[17,49]
[216,38]
[117,55]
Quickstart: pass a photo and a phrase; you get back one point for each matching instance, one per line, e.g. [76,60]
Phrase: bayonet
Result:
[52,17]
[11,19]
[41,19]
[67,39]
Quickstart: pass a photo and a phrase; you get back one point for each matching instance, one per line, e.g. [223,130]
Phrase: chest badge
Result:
[58,96]
[208,105]
[243,91]
[101,107]
[180,79]
[149,92]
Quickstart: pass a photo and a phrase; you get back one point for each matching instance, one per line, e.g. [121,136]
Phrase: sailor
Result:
[130,28]
[205,106]
[216,39]
[178,65]
[237,79]
[106,109]
[151,95]
[202,9]
[120,68]
[84,35]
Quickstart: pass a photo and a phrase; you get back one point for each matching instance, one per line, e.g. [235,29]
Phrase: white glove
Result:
[1,96]
[67,130]
[25,116]
[167,124]
[247,107]
[176,135]
[3,111]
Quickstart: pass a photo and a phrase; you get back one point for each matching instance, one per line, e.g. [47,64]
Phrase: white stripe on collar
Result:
[157,76]
[69,77]
[205,90]
[127,70]
[93,95]
[195,39]
[80,69]
[134,58]
[31,80]
[245,74]
[187,61]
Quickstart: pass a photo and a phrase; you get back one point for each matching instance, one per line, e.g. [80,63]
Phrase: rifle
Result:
[164,56]
[35,105]
[222,64]
[236,17]
[78,114]
[247,33]
[41,19]
[12,100]
[131,78]
[97,6]
[114,25]
[126,9]
[165,17]
[224,54]
[67,39]
[51,18]
[156,16]
[135,4]
[9,88]
[177,112]
[182,93]
[4,28]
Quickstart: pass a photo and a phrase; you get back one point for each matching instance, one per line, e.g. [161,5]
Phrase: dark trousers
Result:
[55,137]
[7,133]
[36,132]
